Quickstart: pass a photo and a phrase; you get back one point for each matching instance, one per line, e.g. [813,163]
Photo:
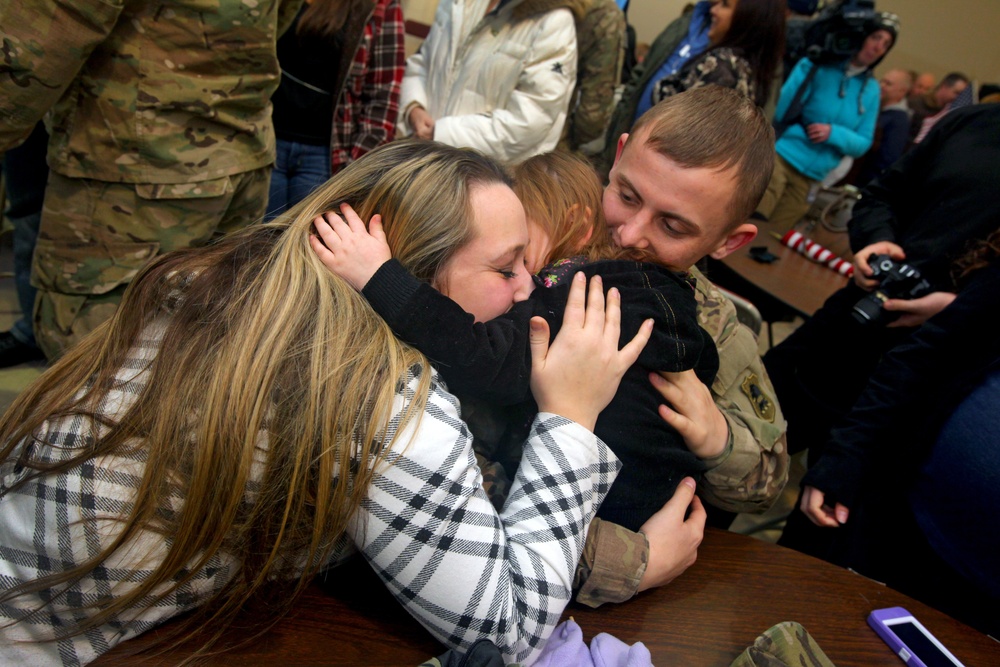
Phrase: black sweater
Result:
[913,391]
[491,361]
[938,196]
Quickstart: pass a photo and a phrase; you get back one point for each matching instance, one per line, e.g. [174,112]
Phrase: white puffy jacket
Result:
[499,83]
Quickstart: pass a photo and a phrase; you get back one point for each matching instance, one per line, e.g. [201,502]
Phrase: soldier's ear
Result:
[621,145]
[735,239]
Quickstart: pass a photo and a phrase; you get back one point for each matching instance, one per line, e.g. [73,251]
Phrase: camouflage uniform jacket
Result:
[724,67]
[600,38]
[624,112]
[747,477]
[143,91]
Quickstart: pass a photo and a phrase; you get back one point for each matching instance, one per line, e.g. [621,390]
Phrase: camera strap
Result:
[794,111]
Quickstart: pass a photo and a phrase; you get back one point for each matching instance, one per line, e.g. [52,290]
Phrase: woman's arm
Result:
[429,531]
[457,566]
[855,141]
[413,90]
[486,360]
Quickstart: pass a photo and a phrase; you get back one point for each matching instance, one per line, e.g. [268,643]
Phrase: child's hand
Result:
[347,248]
[579,374]
[694,415]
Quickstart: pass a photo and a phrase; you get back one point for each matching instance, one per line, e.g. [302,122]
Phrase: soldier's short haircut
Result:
[716,128]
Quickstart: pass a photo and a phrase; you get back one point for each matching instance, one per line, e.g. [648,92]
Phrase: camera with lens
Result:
[897,280]
[833,35]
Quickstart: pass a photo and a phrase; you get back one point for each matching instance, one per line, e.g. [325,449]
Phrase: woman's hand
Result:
[421,122]
[917,311]
[673,540]
[348,249]
[579,374]
[818,132]
[863,272]
[694,415]
[814,506]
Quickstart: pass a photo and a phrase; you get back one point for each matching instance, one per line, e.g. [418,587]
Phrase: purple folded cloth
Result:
[566,648]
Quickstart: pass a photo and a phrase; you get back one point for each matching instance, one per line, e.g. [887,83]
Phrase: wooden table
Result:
[791,285]
[738,588]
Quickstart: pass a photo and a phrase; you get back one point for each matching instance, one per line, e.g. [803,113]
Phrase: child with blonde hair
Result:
[489,361]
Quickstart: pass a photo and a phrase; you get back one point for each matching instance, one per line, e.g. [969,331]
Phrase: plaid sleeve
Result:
[458,567]
[56,522]
[366,115]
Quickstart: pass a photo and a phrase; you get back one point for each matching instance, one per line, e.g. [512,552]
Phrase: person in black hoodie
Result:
[911,479]
[924,210]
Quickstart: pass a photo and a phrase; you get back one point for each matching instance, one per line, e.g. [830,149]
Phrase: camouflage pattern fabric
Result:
[747,477]
[96,236]
[611,567]
[600,37]
[142,91]
[623,115]
[161,135]
[786,644]
[754,472]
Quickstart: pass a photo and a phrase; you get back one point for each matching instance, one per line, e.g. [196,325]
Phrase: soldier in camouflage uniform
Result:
[680,214]
[160,129]
[600,38]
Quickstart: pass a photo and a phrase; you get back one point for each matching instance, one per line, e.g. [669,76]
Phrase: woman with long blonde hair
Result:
[484,355]
[246,419]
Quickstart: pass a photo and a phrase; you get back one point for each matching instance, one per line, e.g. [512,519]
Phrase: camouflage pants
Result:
[96,236]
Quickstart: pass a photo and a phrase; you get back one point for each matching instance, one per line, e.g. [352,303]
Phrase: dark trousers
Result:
[821,369]
[818,374]
[26,173]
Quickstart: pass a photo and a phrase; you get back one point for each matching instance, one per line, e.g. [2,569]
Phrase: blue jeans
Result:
[298,170]
[26,174]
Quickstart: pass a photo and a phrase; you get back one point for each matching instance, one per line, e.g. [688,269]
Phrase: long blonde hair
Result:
[258,339]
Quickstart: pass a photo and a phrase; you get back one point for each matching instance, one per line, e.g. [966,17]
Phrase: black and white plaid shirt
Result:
[426,527]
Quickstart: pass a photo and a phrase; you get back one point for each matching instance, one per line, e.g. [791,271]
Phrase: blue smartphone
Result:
[910,640]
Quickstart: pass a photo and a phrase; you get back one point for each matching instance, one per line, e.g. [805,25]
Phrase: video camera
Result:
[896,281]
[833,35]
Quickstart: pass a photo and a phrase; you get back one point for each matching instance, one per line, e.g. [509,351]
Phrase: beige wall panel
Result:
[421,11]
[937,36]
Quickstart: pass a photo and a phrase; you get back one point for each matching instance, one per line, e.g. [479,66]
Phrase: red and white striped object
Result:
[814,251]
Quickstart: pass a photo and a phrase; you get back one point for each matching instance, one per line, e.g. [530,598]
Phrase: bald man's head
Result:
[895,84]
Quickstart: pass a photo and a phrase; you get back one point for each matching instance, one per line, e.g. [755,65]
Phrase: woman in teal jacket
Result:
[839,110]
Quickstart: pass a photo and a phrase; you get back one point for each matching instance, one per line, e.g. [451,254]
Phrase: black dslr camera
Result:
[896,281]
[832,35]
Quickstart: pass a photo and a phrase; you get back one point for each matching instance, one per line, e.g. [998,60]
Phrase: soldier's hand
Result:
[673,540]
[692,412]
[863,272]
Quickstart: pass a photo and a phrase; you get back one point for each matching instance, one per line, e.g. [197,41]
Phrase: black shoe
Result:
[14,352]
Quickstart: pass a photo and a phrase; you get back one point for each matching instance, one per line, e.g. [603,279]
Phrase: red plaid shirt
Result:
[366,115]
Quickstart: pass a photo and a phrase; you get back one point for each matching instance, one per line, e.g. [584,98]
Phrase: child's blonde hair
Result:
[561,193]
